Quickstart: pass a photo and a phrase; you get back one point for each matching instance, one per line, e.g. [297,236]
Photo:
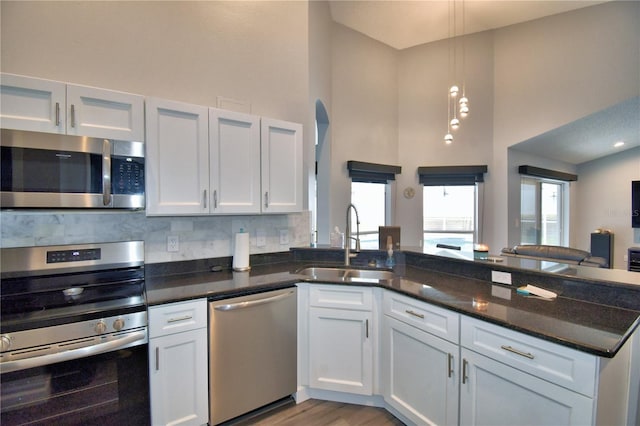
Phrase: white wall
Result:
[320,65]
[552,71]
[603,200]
[423,80]
[364,123]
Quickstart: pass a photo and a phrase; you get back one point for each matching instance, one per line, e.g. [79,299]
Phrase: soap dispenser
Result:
[390,262]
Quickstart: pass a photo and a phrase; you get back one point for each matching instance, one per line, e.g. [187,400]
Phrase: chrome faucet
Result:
[348,237]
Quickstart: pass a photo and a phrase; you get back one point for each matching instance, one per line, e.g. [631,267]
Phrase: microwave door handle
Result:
[106,172]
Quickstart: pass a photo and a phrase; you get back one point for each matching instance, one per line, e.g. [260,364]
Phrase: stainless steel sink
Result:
[347,273]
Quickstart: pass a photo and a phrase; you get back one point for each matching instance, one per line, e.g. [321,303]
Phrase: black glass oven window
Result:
[103,390]
[42,170]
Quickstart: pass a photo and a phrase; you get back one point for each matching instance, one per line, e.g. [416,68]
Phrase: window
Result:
[371,194]
[449,216]
[542,212]
[451,209]
[371,200]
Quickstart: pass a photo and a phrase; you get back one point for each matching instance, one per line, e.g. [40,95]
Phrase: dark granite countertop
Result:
[595,328]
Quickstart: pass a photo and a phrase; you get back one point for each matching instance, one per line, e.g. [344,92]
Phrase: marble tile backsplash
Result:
[200,237]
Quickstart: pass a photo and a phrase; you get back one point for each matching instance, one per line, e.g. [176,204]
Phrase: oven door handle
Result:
[119,343]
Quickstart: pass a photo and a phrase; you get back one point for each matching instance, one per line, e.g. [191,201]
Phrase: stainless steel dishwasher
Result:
[252,352]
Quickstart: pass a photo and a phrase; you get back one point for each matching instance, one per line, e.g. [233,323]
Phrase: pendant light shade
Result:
[456,107]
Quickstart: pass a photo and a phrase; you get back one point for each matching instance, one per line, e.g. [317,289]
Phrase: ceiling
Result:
[590,137]
[406,23]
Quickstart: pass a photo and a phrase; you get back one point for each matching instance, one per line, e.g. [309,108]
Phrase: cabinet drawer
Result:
[432,319]
[341,297]
[177,317]
[564,366]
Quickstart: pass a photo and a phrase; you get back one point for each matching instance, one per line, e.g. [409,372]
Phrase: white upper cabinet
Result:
[40,105]
[234,149]
[211,161]
[177,159]
[104,113]
[32,104]
[281,166]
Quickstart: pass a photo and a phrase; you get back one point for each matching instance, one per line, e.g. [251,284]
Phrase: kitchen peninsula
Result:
[592,323]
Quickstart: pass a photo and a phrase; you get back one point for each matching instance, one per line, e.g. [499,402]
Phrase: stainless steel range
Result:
[73,334]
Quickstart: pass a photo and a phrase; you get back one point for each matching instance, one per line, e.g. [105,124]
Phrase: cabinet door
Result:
[419,374]
[234,148]
[340,350]
[104,113]
[178,378]
[177,161]
[32,104]
[493,393]
[281,166]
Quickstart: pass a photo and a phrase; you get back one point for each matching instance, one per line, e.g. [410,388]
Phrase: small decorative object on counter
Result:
[391,262]
[481,252]
[337,238]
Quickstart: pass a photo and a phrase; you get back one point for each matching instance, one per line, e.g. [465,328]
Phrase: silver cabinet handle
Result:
[415,314]
[57,114]
[367,328]
[204,198]
[215,198]
[157,358]
[266,200]
[178,319]
[73,115]
[240,305]
[517,352]
[450,364]
[106,172]
[38,361]
[464,371]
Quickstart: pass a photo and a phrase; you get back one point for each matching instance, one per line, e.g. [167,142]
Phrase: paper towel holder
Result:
[241,252]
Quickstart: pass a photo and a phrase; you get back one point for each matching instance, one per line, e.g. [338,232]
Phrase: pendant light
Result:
[456,107]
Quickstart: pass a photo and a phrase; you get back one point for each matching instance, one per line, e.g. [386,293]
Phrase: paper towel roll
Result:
[241,252]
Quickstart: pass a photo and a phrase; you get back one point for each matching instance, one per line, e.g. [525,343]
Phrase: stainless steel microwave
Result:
[47,170]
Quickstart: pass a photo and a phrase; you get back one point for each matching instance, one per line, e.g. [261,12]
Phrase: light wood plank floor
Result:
[325,413]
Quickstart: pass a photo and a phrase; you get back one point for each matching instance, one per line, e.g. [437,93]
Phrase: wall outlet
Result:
[284,236]
[501,277]
[173,243]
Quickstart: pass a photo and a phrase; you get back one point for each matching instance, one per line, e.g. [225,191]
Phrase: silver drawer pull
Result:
[517,352]
[184,318]
[415,314]
[465,363]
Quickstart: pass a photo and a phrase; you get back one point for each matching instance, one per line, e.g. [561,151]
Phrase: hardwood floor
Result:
[314,412]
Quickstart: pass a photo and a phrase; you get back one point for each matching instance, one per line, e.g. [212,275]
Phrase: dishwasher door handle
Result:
[249,303]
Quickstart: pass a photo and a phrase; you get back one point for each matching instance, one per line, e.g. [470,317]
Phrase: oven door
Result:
[106,389]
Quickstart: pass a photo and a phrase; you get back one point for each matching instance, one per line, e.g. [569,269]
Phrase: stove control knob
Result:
[5,343]
[118,324]
[100,327]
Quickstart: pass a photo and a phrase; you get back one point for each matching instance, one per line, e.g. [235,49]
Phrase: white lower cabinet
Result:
[438,367]
[419,374]
[341,339]
[493,393]
[178,363]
